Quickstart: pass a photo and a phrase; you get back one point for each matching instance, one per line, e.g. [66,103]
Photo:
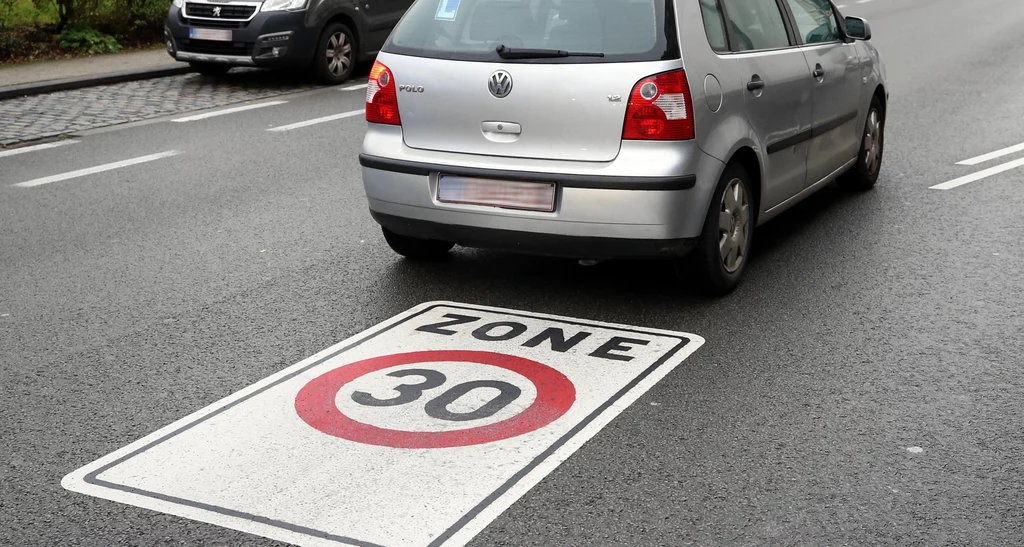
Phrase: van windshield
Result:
[476,30]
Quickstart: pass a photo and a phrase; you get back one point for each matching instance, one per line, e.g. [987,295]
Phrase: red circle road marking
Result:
[315,401]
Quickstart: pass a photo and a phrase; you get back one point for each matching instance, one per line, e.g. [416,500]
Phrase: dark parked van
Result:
[327,36]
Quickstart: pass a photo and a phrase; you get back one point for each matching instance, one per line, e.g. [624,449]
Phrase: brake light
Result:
[660,109]
[382,96]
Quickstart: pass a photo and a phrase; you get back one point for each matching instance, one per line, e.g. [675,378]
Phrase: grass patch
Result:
[35,29]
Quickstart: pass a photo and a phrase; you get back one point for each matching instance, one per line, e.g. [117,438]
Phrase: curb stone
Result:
[50,86]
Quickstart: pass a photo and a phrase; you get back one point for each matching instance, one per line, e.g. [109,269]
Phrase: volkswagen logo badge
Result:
[500,84]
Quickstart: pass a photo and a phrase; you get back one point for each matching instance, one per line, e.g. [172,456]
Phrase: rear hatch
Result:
[545,79]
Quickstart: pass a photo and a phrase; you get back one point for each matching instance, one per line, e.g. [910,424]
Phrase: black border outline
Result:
[92,477]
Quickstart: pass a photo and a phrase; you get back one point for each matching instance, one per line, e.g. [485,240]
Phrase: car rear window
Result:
[471,30]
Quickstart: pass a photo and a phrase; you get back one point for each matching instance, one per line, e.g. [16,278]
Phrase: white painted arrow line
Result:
[227,111]
[979,175]
[315,121]
[97,169]
[993,155]
[16,151]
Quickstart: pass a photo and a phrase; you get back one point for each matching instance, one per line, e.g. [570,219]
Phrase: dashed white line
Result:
[228,111]
[43,146]
[863,1]
[315,121]
[354,87]
[993,155]
[97,169]
[979,175]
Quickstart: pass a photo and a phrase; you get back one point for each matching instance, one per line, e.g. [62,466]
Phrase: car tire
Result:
[864,174]
[728,228]
[416,248]
[337,66]
[210,69]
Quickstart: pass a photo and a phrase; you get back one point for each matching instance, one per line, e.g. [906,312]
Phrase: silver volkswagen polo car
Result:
[602,129]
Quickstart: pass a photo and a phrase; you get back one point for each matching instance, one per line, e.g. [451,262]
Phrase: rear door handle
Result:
[755,83]
[819,72]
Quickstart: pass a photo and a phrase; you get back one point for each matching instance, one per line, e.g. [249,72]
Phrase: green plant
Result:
[87,40]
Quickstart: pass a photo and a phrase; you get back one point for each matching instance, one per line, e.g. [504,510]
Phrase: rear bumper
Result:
[534,243]
[625,208]
[253,44]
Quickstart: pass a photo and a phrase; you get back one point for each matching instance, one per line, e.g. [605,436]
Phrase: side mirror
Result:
[858,28]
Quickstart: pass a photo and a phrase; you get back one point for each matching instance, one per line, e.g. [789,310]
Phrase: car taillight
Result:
[660,109]
[382,96]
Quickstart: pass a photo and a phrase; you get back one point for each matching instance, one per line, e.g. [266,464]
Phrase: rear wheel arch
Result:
[748,158]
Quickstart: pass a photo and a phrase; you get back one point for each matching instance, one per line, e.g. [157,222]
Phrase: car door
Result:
[835,67]
[778,99]
[381,17]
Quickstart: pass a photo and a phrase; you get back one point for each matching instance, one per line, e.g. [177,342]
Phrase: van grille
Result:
[227,11]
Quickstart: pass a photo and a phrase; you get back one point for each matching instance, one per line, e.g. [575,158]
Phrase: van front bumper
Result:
[270,39]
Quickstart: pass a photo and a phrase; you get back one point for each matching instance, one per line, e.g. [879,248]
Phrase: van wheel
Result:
[723,248]
[335,56]
[864,174]
[416,248]
[210,69]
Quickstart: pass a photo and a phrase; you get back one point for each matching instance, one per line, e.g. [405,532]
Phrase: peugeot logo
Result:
[500,84]
[216,11]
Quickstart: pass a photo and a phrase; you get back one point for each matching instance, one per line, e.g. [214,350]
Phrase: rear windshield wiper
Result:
[532,53]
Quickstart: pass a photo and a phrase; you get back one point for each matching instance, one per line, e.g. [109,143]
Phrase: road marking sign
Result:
[419,431]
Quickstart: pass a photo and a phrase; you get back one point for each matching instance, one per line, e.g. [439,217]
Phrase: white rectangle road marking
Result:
[205,115]
[979,175]
[97,169]
[993,155]
[44,146]
[315,121]
[418,431]
[354,87]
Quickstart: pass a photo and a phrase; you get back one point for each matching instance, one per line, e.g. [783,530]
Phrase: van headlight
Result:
[178,3]
[281,5]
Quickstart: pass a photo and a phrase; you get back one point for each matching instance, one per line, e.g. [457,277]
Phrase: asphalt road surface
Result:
[864,386]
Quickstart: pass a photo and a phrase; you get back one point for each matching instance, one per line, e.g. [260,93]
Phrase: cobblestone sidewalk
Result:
[63,112]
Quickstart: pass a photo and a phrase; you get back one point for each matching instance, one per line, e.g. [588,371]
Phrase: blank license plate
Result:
[215,34]
[530,196]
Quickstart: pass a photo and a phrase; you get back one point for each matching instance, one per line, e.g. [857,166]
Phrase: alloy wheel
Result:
[872,143]
[339,54]
[734,226]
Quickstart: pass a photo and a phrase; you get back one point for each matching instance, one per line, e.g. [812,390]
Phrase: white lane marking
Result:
[863,1]
[354,87]
[993,155]
[323,453]
[915,449]
[44,146]
[97,169]
[315,121]
[979,175]
[228,111]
